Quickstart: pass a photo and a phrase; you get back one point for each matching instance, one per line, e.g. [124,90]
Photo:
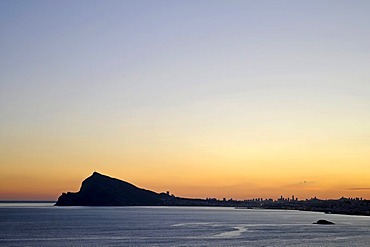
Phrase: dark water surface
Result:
[45,225]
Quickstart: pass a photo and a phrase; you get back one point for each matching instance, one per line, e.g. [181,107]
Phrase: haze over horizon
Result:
[235,99]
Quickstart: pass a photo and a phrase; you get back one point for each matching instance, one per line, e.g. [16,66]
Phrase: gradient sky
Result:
[218,99]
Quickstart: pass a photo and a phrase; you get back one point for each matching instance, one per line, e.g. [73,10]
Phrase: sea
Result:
[42,224]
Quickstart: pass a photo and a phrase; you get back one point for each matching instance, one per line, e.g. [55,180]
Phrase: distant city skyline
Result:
[240,99]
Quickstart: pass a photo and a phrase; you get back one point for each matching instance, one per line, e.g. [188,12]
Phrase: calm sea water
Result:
[45,225]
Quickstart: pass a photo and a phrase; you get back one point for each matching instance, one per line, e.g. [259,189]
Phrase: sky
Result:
[235,99]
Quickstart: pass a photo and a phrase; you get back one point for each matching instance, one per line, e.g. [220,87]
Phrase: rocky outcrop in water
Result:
[324,222]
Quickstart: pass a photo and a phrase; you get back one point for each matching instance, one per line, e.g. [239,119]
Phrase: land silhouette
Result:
[102,190]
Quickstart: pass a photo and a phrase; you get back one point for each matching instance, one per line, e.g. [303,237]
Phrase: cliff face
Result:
[101,190]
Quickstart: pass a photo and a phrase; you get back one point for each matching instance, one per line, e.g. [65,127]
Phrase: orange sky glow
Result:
[224,99]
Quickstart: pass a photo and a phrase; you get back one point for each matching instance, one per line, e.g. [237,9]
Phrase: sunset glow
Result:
[234,99]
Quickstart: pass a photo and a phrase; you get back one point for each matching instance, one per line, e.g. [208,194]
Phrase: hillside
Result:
[101,190]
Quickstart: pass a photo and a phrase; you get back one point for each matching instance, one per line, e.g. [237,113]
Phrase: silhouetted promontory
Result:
[101,190]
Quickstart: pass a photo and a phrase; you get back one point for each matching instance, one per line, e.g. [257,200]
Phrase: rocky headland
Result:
[102,190]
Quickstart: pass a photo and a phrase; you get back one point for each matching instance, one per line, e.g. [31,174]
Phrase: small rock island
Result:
[324,222]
